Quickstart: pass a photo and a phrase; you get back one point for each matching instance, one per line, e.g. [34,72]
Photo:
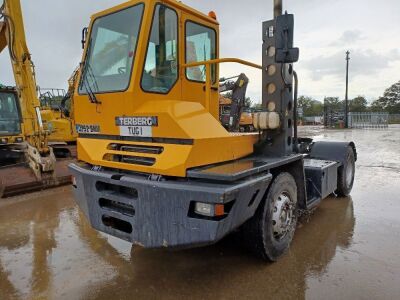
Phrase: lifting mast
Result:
[12,34]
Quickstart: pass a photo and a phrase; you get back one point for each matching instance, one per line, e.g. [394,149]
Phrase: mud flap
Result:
[333,151]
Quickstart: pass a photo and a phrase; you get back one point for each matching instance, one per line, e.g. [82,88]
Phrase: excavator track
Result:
[19,179]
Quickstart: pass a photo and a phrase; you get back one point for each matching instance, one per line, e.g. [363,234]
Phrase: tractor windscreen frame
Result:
[111,51]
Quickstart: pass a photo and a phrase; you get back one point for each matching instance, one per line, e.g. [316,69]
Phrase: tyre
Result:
[346,174]
[269,233]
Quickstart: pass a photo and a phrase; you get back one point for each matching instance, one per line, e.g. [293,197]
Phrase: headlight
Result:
[209,209]
[19,140]
[4,140]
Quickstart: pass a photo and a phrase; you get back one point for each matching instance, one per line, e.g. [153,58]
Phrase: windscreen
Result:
[111,51]
[200,46]
[10,122]
[160,70]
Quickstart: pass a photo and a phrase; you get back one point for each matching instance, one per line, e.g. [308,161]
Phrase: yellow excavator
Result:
[59,120]
[246,116]
[58,117]
[25,133]
[157,168]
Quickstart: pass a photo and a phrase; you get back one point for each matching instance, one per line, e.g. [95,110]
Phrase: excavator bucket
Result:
[19,178]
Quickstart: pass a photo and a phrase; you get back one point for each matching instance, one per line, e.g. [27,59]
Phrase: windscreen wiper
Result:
[91,94]
[86,68]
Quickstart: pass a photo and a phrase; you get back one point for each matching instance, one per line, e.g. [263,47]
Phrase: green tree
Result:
[358,104]
[257,107]
[333,103]
[390,101]
[247,101]
[310,106]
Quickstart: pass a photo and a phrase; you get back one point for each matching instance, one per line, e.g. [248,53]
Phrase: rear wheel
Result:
[346,174]
[271,230]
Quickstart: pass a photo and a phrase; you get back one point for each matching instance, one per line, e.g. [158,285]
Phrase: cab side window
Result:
[161,66]
[200,46]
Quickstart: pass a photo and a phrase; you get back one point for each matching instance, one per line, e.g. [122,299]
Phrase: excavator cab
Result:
[10,117]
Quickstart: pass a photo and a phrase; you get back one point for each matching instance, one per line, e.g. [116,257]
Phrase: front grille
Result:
[136,148]
[138,160]
[128,159]
[133,159]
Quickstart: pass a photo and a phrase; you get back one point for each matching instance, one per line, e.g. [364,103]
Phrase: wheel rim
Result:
[283,216]
[349,172]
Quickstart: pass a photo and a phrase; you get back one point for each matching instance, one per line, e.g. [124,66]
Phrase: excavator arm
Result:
[238,89]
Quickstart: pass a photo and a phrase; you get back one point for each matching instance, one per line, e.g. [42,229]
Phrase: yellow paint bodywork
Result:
[188,120]
[246,118]
[60,128]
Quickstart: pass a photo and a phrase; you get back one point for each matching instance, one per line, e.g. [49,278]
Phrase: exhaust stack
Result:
[277,8]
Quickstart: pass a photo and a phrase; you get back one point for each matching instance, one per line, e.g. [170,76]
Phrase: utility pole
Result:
[346,116]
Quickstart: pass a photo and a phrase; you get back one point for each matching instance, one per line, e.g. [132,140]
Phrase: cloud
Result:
[364,62]
[349,37]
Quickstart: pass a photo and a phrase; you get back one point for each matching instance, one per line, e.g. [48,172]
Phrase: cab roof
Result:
[174,3]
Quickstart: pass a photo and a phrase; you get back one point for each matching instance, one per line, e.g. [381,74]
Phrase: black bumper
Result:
[158,213]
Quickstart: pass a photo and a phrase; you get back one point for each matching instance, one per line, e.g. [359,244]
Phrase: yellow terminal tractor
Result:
[158,169]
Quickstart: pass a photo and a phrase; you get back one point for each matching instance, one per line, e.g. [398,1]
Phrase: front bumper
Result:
[158,213]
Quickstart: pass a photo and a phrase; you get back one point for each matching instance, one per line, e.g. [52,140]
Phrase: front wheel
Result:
[270,231]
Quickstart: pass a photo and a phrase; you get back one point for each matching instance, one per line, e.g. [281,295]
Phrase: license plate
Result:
[143,131]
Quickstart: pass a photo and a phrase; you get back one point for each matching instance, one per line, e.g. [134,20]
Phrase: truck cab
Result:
[135,92]
[156,166]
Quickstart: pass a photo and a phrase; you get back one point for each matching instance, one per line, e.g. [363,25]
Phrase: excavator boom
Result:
[23,69]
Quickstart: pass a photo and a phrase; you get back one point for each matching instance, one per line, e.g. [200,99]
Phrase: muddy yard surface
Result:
[348,249]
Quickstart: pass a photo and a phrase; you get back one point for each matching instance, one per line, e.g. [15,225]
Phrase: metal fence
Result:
[394,119]
[368,120]
[333,118]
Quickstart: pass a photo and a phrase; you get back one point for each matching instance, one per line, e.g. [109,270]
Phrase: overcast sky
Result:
[324,30]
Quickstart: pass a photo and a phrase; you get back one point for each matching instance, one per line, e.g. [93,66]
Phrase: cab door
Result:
[200,40]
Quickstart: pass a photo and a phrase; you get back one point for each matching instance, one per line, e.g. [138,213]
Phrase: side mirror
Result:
[285,53]
[84,36]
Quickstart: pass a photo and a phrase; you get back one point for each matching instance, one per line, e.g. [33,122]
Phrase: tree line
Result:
[388,102]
